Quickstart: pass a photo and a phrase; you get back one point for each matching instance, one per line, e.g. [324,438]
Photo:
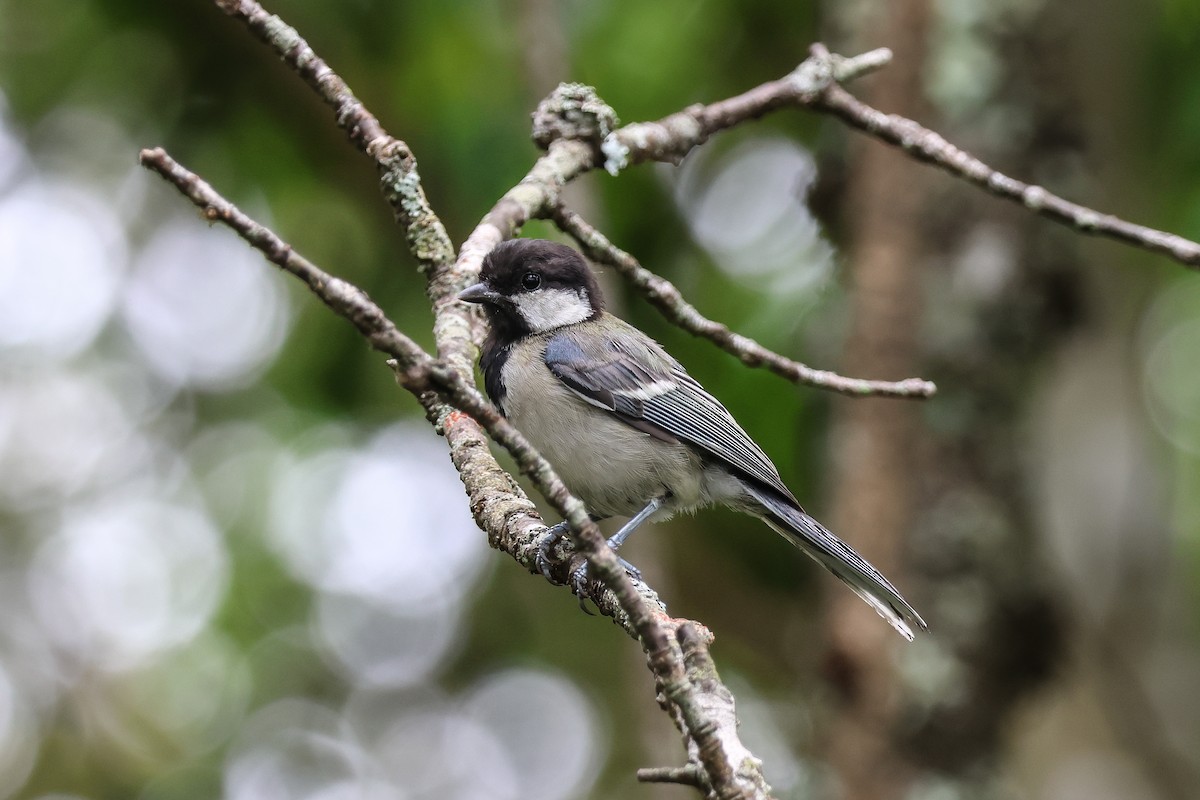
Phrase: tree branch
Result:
[398,177]
[673,648]
[674,136]
[577,129]
[815,84]
[664,296]
[432,381]
[709,722]
[499,506]
[930,147]
[685,776]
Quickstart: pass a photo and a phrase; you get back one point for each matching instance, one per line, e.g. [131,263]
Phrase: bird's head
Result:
[532,286]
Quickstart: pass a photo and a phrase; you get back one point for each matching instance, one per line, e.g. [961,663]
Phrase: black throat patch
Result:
[492,359]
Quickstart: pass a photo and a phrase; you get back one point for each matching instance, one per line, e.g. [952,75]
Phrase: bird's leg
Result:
[620,536]
[579,576]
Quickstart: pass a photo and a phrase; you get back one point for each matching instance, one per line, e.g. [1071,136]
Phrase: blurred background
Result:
[235,561]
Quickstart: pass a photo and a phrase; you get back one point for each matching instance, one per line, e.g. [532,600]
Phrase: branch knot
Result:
[823,68]
[573,111]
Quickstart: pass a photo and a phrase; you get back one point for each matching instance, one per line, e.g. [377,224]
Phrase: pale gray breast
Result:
[614,468]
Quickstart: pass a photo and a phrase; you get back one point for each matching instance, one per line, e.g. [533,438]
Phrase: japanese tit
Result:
[626,428]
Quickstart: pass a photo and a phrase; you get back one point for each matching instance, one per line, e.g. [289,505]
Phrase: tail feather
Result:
[840,559]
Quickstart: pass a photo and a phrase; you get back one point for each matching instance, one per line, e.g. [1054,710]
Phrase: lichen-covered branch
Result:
[435,383]
[498,504]
[439,388]
[713,745]
[664,296]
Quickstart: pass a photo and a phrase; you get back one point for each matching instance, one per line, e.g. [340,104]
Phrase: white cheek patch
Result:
[547,309]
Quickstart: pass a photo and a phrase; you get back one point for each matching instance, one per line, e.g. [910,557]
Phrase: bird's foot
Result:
[579,576]
[543,560]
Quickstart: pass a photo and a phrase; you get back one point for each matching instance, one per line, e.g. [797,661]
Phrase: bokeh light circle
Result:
[204,308]
[62,254]
[386,522]
[123,580]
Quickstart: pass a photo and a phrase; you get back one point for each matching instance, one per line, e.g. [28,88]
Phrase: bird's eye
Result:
[530,281]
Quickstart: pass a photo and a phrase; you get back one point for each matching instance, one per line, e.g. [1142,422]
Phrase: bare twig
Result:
[685,776]
[430,379]
[815,84]
[398,177]
[672,137]
[929,146]
[664,296]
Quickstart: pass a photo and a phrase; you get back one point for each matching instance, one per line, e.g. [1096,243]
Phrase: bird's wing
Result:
[633,378]
[638,382]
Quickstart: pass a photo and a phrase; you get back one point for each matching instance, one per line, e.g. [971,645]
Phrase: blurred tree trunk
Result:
[872,440]
[978,309]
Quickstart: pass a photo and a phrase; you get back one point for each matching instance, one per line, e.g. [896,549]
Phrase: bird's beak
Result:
[479,293]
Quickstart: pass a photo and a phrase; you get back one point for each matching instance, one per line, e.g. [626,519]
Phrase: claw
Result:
[579,578]
[633,571]
[542,560]
[578,582]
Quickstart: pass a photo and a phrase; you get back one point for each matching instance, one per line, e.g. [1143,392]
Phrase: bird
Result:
[624,425]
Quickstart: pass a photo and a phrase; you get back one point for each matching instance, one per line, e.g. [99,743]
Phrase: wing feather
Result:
[644,387]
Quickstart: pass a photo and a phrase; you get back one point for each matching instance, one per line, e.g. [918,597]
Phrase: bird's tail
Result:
[840,559]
